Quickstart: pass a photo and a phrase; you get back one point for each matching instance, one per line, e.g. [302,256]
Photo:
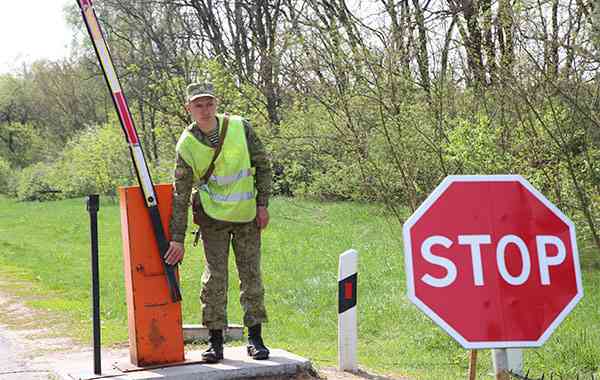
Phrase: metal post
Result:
[500,360]
[507,359]
[93,205]
[515,360]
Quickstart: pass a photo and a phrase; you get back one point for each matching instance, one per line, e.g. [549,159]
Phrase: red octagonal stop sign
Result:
[492,261]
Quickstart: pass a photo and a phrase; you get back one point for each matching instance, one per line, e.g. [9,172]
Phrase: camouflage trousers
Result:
[245,240]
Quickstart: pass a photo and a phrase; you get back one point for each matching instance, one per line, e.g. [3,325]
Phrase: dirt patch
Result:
[361,374]
[330,373]
[39,332]
[24,342]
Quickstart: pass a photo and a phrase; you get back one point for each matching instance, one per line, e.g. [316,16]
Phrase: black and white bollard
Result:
[347,325]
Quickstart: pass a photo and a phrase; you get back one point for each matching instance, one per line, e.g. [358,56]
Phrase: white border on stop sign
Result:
[435,194]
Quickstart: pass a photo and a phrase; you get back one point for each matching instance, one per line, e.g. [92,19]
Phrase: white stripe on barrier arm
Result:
[347,326]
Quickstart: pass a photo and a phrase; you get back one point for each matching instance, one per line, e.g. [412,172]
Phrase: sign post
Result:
[500,362]
[492,262]
[515,360]
[472,364]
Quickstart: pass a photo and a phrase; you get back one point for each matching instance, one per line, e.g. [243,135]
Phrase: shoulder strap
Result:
[211,167]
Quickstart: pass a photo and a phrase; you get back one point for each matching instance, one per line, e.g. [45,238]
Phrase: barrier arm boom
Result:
[137,154]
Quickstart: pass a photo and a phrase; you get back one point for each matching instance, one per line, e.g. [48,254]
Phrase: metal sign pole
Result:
[500,361]
[93,205]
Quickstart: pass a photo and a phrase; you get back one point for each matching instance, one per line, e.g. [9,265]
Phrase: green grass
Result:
[44,247]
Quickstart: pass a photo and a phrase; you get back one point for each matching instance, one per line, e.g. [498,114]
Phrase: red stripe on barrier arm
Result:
[86,3]
[348,291]
[126,117]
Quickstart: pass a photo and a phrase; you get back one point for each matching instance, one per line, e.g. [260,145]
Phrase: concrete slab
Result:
[236,365]
[194,333]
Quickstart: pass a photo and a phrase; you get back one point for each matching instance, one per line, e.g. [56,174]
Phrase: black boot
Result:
[214,353]
[256,348]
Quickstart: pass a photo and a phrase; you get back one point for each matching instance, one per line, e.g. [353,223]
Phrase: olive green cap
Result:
[199,90]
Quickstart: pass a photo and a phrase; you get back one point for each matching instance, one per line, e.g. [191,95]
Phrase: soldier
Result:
[231,206]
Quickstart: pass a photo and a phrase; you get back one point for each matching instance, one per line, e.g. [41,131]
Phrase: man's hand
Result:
[262,217]
[174,253]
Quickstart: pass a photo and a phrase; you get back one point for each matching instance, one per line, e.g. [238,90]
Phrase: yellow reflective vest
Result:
[229,194]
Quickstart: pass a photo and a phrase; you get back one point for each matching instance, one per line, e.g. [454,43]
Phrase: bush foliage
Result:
[6,178]
[94,161]
[36,183]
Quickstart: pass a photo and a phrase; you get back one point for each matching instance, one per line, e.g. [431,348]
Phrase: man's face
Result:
[202,109]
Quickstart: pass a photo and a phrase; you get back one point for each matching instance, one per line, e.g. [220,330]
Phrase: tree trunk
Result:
[490,48]
[472,38]
[554,43]
[504,32]
[422,54]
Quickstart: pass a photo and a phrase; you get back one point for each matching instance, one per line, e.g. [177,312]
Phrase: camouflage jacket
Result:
[183,182]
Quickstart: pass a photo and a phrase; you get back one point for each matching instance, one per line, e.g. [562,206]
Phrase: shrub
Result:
[6,177]
[34,183]
[27,144]
[96,161]
[475,146]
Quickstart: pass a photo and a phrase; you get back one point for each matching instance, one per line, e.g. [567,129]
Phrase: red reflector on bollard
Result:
[348,291]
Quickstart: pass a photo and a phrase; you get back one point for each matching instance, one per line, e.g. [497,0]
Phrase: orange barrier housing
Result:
[155,327]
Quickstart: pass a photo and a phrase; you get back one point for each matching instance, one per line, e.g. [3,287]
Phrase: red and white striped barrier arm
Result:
[137,154]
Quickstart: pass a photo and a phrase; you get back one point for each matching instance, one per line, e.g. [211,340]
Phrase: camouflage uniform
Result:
[217,235]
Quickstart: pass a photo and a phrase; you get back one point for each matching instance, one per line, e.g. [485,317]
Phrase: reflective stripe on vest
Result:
[227,179]
[228,198]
